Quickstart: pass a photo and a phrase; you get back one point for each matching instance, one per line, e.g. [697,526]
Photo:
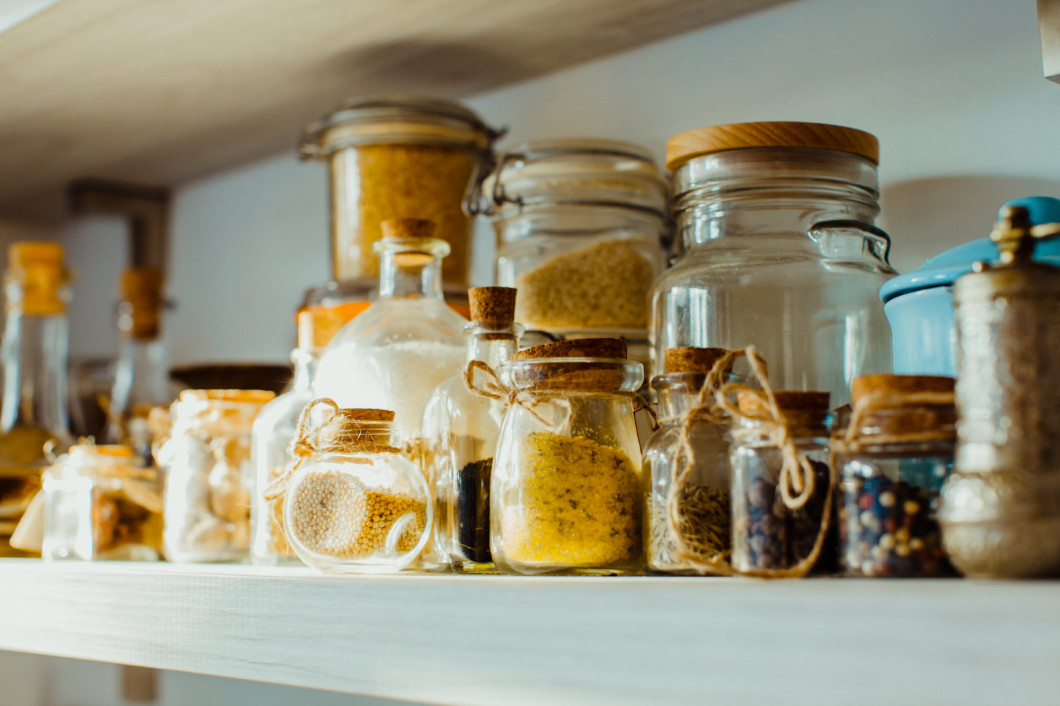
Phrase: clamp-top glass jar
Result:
[780,251]
[398,157]
[580,224]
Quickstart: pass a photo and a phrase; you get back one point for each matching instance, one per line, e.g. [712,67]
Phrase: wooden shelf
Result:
[488,640]
[161,92]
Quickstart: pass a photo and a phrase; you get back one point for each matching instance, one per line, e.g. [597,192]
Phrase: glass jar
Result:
[206,462]
[567,491]
[394,354]
[779,251]
[892,463]
[580,225]
[355,504]
[393,157]
[703,500]
[460,430]
[101,502]
[769,533]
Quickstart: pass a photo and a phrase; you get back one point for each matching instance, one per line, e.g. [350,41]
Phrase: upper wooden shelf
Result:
[160,92]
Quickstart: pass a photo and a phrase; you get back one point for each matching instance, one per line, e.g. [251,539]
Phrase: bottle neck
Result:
[491,347]
[305,367]
[675,402]
[141,375]
[35,351]
[410,275]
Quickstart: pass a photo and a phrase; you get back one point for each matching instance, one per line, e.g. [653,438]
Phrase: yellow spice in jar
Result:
[579,504]
[335,515]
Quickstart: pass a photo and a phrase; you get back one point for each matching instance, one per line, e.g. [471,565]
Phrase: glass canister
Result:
[567,491]
[690,450]
[892,461]
[407,343]
[580,224]
[779,251]
[460,430]
[396,157]
[354,503]
[101,502]
[1000,511]
[206,463]
[781,484]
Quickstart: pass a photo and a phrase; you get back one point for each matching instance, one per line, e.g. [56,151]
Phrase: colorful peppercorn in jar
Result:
[781,482]
[352,502]
[892,461]
[567,489]
[688,462]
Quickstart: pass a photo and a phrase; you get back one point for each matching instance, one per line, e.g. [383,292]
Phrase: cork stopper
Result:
[897,405]
[689,359]
[368,415]
[804,411]
[235,396]
[719,138]
[352,430]
[316,327]
[493,306]
[141,288]
[25,254]
[578,348]
[407,228]
[895,386]
[38,267]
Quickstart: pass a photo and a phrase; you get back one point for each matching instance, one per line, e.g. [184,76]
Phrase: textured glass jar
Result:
[460,430]
[101,502]
[567,491]
[356,504]
[779,251]
[393,157]
[703,500]
[394,354]
[580,225]
[892,463]
[206,464]
[767,534]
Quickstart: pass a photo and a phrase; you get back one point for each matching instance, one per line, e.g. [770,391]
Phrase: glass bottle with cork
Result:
[408,341]
[35,349]
[460,430]
[141,374]
[273,432]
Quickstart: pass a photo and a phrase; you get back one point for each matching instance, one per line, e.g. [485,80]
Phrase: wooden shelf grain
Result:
[489,640]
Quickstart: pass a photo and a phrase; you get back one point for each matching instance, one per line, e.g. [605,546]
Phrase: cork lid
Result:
[141,288]
[39,267]
[368,415]
[689,359]
[612,348]
[894,386]
[492,305]
[411,241]
[142,283]
[351,430]
[235,396]
[25,254]
[708,140]
[407,228]
[804,410]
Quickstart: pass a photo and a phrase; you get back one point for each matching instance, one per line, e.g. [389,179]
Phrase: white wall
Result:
[953,89]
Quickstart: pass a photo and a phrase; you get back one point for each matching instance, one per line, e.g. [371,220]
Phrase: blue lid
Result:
[944,268]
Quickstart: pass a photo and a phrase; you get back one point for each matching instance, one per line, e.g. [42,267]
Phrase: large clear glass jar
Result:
[393,157]
[357,504]
[580,225]
[206,464]
[892,463]
[768,534]
[460,430]
[101,502]
[394,354]
[779,251]
[567,491]
[703,500]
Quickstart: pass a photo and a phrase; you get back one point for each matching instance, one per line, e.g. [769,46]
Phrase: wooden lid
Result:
[707,140]
[407,228]
[899,385]
[688,359]
[28,253]
[140,283]
[787,401]
[492,305]
[577,348]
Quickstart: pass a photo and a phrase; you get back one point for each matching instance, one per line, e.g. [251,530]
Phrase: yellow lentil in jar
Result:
[579,504]
[404,181]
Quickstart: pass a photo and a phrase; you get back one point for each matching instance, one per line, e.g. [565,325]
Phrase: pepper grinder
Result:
[1000,511]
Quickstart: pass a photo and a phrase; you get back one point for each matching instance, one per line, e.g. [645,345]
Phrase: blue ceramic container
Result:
[919,305]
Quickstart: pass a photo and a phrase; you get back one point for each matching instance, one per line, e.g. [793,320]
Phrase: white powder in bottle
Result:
[399,377]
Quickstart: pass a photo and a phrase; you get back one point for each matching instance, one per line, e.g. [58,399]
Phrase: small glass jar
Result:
[357,505]
[580,224]
[101,502]
[460,430]
[393,157]
[206,462]
[767,534]
[567,491]
[703,501]
[778,251]
[892,463]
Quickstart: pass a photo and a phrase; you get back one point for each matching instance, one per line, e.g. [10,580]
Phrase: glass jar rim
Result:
[607,375]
